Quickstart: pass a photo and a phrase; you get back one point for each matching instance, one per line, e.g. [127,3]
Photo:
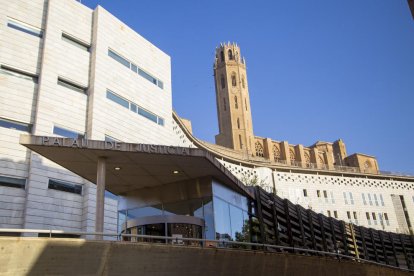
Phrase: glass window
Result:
[23,27]
[67,133]
[382,200]
[237,223]
[192,208]
[222,219]
[332,198]
[160,121]
[134,68]
[369,199]
[305,193]
[336,214]
[363,199]
[348,214]
[6,70]
[209,218]
[155,210]
[115,98]
[12,182]
[318,193]
[160,84]
[122,220]
[345,198]
[110,195]
[15,125]
[375,199]
[230,196]
[147,76]
[71,85]
[71,40]
[119,58]
[351,198]
[147,114]
[65,186]
[133,108]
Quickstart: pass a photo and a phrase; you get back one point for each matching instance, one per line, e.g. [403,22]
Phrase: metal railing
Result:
[205,243]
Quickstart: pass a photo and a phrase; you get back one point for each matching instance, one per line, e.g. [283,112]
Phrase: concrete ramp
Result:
[43,256]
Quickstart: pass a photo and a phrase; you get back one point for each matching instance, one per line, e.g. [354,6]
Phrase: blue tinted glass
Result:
[147,76]
[236,216]
[155,210]
[209,219]
[118,58]
[134,108]
[134,68]
[115,98]
[160,84]
[230,196]
[121,221]
[192,208]
[147,114]
[14,125]
[110,195]
[222,219]
[160,121]
[66,133]
[25,29]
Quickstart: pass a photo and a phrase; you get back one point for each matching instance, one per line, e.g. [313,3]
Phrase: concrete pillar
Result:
[300,155]
[100,195]
[267,145]
[284,150]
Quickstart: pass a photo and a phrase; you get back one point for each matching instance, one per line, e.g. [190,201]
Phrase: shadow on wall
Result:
[39,256]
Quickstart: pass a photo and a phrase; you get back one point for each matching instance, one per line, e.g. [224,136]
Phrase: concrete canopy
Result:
[140,165]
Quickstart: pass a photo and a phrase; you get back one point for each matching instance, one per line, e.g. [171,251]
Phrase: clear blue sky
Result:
[317,70]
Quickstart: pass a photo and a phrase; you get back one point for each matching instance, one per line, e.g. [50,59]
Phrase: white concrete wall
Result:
[291,185]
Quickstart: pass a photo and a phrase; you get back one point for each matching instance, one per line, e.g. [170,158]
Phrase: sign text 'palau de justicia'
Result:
[112,145]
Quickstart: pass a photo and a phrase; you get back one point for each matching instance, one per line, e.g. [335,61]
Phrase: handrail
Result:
[263,246]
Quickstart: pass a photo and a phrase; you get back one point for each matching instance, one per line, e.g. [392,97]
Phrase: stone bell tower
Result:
[232,96]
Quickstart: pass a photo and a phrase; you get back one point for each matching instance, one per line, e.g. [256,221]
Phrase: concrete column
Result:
[300,153]
[100,196]
[267,143]
[284,150]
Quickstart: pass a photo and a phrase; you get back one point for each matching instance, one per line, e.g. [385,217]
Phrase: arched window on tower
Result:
[292,157]
[233,80]
[222,55]
[259,149]
[276,153]
[245,103]
[230,53]
[238,123]
[243,84]
[236,105]
[223,83]
[224,104]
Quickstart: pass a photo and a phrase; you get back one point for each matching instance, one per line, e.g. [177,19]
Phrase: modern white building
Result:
[69,71]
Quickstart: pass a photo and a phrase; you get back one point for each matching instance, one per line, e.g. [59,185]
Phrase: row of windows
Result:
[12,182]
[135,68]
[233,81]
[65,186]
[11,124]
[349,199]
[75,42]
[11,71]
[374,196]
[23,27]
[134,107]
[71,85]
[381,216]
[67,133]
[319,195]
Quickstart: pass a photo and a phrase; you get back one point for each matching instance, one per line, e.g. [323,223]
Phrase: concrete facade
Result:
[35,55]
